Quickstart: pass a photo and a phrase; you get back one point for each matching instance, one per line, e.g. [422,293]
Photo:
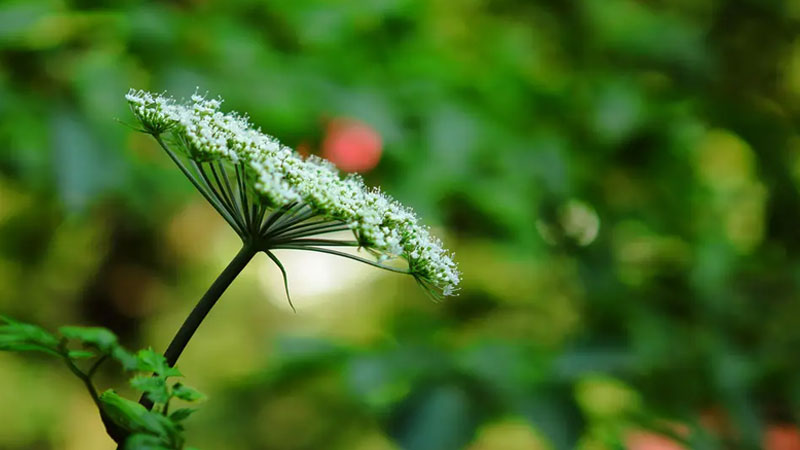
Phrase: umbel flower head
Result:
[275,199]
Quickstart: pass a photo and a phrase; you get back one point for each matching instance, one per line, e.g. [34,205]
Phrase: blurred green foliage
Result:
[620,180]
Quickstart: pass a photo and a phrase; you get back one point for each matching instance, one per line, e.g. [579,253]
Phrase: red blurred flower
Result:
[645,440]
[352,145]
[782,437]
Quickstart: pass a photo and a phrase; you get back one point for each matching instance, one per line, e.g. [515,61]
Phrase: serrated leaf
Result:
[18,336]
[98,337]
[187,393]
[26,347]
[155,362]
[181,414]
[29,332]
[80,354]
[155,388]
[128,360]
[136,418]
[145,442]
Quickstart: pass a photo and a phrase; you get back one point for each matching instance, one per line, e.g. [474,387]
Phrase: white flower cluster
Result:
[281,176]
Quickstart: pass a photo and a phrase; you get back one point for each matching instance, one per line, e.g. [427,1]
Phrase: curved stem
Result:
[85,379]
[96,366]
[337,253]
[204,306]
[285,277]
[207,302]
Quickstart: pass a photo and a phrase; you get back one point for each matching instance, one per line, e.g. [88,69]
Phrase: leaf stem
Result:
[96,366]
[85,378]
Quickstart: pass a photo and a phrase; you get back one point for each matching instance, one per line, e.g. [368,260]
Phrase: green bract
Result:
[275,199]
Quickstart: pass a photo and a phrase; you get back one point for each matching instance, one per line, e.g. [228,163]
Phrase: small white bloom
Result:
[282,180]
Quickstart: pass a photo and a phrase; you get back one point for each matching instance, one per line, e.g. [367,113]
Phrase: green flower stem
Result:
[203,307]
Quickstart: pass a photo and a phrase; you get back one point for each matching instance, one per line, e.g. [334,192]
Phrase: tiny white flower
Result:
[245,173]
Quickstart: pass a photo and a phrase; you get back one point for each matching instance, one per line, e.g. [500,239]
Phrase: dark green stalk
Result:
[207,302]
[203,307]
[96,366]
[85,379]
[117,434]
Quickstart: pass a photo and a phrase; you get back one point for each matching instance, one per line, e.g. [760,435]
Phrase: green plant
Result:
[84,350]
[273,199]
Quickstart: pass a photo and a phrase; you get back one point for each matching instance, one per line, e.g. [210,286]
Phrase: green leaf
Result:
[128,360]
[80,354]
[154,387]
[186,393]
[136,418]
[25,347]
[155,362]
[145,442]
[18,336]
[181,414]
[100,338]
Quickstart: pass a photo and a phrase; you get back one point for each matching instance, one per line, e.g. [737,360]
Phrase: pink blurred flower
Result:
[352,145]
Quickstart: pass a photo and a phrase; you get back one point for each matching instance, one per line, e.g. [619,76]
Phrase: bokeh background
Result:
[620,180]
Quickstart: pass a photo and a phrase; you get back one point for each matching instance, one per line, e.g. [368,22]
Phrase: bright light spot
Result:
[577,221]
[509,434]
[314,278]
[724,161]
[580,222]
